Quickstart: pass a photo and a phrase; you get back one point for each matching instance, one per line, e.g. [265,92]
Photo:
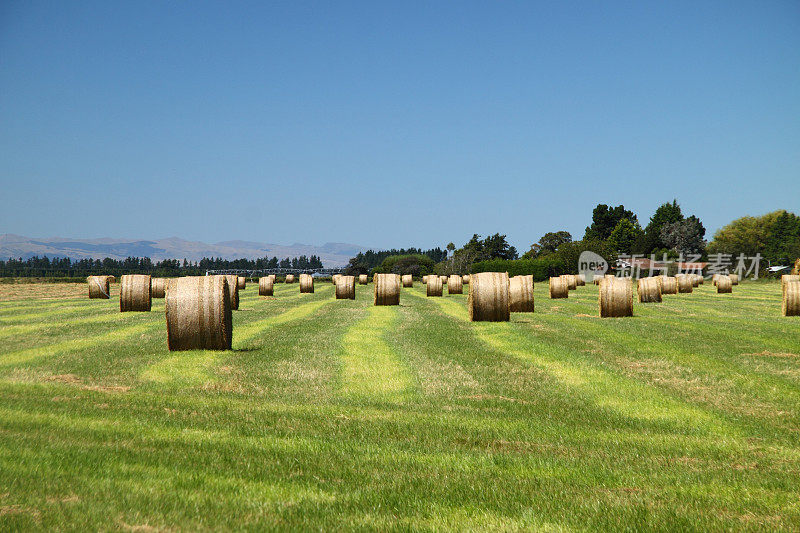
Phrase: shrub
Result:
[541,269]
[414,264]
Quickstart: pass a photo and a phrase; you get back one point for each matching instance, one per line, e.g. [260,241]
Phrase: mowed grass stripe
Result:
[117,335]
[372,371]
[26,329]
[245,333]
[603,388]
[196,367]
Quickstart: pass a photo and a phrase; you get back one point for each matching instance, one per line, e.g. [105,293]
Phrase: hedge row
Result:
[541,269]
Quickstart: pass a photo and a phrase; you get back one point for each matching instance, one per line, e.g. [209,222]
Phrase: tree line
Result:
[613,231]
[65,267]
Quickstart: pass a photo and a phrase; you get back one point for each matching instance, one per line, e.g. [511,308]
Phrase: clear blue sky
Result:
[391,124]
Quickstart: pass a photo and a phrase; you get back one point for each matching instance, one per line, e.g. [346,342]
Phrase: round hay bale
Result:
[572,283]
[346,288]
[408,280]
[455,285]
[424,279]
[334,278]
[363,279]
[488,299]
[198,311]
[99,287]
[434,286]
[233,290]
[387,289]
[669,285]
[649,290]
[791,299]
[559,288]
[734,279]
[465,279]
[306,284]
[580,280]
[714,279]
[684,284]
[700,279]
[616,297]
[134,293]
[444,280]
[724,285]
[112,279]
[242,282]
[786,278]
[695,279]
[289,278]
[266,286]
[158,287]
[520,294]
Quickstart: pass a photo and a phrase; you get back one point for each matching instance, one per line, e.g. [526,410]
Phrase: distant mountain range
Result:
[332,254]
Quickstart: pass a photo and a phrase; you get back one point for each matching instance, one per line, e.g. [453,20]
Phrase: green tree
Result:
[605,219]
[783,239]
[625,235]
[548,244]
[684,237]
[771,235]
[667,213]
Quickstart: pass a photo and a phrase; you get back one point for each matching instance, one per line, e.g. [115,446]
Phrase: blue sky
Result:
[391,124]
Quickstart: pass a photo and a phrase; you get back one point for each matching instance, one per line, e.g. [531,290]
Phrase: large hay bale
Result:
[700,279]
[424,279]
[346,288]
[455,285]
[233,290]
[408,280]
[580,280]
[572,283]
[334,278]
[791,299]
[387,289]
[242,282]
[734,279]
[363,279]
[134,293]
[434,286]
[649,290]
[559,288]
[198,311]
[787,278]
[714,279]
[684,284]
[488,299]
[289,278]
[669,285]
[266,286]
[616,297]
[724,285]
[158,287]
[695,279]
[99,287]
[465,279]
[444,280]
[520,294]
[306,284]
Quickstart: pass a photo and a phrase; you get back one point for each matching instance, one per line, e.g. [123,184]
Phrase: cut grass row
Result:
[337,414]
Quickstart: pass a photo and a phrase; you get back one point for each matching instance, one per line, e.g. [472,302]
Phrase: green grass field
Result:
[340,415]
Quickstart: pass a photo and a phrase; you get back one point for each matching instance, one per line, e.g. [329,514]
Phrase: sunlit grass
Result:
[335,414]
